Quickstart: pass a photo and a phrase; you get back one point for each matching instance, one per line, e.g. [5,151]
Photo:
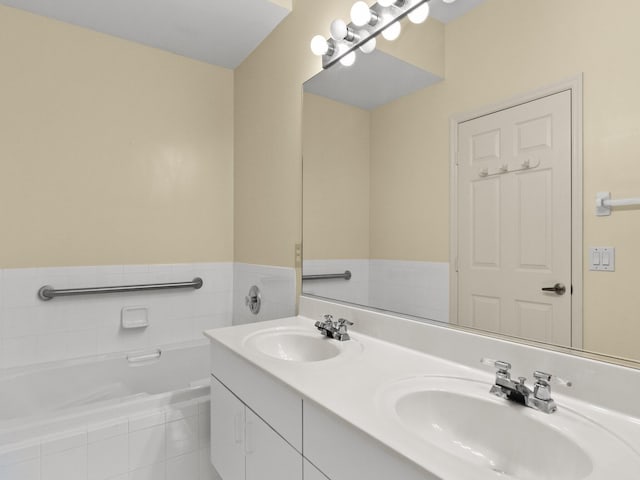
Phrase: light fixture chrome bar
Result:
[373,31]
[329,276]
[48,292]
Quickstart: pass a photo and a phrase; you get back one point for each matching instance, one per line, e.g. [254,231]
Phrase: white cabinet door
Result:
[269,456]
[312,473]
[227,432]
[243,446]
[271,399]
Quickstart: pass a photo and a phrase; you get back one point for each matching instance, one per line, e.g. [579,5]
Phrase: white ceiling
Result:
[446,12]
[221,32]
[366,83]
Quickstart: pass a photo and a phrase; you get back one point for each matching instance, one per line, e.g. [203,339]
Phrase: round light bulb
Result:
[420,14]
[338,30]
[392,31]
[368,47]
[348,59]
[360,14]
[319,45]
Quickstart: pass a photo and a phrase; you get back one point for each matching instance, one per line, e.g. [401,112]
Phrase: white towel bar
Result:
[604,203]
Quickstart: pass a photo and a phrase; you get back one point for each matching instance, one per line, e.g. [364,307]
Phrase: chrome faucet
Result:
[538,398]
[337,330]
[327,327]
[341,334]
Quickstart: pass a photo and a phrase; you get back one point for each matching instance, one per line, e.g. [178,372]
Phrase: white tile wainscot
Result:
[167,444]
[35,331]
[277,286]
[419,289]
[354,290]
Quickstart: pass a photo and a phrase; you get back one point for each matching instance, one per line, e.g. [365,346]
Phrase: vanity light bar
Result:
[382,17]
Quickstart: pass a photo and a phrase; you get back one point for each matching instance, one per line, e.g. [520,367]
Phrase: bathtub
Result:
[142,415]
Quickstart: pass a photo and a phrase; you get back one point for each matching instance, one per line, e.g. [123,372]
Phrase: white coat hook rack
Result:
[604,203]
[526,165]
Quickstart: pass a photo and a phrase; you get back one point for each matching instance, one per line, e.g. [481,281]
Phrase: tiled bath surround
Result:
[34,331]
[157,443]
[165,444]
[412,288]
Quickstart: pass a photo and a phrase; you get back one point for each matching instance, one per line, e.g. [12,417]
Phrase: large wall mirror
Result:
[454,173]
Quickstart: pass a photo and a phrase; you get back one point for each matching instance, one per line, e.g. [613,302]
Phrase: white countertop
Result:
[350,387]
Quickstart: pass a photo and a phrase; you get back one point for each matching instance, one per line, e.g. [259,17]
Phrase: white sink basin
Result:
[460,417]
[296,344]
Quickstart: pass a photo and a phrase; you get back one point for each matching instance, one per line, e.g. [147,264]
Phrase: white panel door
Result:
[514,220]
[269,456]
[227,432]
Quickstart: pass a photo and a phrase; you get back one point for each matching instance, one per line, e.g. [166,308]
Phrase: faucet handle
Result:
[542,377]
[343,323]
[326,326]
[542,388]
[328,321]
[546,379]
[502,366]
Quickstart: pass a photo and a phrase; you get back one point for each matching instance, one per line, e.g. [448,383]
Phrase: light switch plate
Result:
[298,255]
[602,259]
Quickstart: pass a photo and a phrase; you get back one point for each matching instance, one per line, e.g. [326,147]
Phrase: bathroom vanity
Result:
[290,403]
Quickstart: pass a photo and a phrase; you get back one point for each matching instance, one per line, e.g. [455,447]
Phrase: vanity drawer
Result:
[343,452]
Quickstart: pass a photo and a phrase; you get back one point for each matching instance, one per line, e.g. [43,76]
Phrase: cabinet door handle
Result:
[248,441]
[237,427]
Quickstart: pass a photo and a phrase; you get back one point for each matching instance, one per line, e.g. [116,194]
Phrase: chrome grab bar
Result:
[48,292]
[345,276]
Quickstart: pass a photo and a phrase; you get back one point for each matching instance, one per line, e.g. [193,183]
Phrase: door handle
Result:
[558,289]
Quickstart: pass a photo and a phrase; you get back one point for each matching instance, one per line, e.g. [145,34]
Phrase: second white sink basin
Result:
[461,417]
[296,344]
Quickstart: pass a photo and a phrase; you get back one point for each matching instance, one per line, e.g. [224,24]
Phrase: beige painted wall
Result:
[547,42]
[503,49]
[409,182]
[110,152]
[335,140]
[606,51]
[421,45]
[268,113]
[268,119]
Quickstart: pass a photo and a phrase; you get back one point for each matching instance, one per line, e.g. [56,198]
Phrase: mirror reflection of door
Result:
[515,219]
